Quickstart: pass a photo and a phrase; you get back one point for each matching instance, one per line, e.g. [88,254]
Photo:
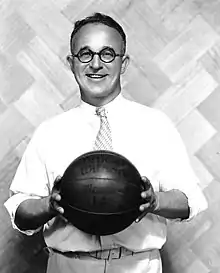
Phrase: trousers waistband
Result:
[108,254]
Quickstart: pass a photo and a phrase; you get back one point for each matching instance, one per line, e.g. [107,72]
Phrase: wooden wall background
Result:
[175,51]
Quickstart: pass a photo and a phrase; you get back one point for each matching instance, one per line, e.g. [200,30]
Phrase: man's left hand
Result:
[150,199]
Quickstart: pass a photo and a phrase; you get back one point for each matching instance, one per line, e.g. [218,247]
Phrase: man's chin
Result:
[98,97]
[97,92]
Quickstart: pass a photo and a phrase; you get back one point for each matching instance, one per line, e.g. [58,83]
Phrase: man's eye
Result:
[108,53]
[84,54]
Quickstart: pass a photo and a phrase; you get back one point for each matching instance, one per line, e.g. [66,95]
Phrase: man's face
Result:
[99,82]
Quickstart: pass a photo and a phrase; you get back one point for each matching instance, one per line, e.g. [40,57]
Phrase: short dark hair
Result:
[98,18]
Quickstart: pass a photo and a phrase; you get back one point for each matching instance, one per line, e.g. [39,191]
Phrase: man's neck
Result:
[99,101]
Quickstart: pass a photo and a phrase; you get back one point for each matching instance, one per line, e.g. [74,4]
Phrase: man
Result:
[144,135]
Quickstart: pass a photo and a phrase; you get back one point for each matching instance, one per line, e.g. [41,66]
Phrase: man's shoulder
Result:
[59,121]
[137,108]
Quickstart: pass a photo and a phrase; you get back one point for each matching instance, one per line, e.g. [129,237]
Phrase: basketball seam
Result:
[102,213]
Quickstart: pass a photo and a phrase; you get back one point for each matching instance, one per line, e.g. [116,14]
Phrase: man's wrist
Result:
[156,205]
[48,207]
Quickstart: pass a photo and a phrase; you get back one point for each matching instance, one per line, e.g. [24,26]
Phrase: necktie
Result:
[103,139]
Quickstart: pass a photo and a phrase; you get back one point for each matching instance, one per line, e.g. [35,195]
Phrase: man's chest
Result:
[128,139]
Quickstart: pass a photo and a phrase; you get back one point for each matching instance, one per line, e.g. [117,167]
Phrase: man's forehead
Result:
[96,36]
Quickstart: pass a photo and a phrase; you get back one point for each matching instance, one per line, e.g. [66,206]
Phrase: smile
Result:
[96,76]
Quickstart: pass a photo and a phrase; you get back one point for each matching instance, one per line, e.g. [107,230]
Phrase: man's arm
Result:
[31,214]
[172,205]
[179,195]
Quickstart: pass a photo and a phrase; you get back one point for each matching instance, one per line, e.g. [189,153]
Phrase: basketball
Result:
[101,192]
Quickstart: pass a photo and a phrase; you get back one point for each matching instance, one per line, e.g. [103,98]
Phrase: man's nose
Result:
[96,62]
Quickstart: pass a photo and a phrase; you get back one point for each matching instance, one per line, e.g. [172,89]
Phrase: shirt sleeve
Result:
[176,171]
[30,180]
[12,204]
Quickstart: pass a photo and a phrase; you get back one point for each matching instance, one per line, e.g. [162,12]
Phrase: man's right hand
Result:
[34,213]
[55,198]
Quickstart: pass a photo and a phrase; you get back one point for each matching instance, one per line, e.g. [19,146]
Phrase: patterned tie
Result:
[103,139]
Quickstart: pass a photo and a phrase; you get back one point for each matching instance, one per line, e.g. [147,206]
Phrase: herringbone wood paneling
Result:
[175,66]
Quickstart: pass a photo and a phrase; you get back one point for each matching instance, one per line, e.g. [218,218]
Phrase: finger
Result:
[141,217]
[145,179]
[57,207]
[56,196]
[146,183]
[146,194]
[149,206]
[60,210]
[54,203]
[57,181]
[145,206]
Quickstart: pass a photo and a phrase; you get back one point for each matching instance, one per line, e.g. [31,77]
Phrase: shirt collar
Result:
[109,106]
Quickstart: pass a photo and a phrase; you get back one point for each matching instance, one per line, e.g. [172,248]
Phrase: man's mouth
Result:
[96,76]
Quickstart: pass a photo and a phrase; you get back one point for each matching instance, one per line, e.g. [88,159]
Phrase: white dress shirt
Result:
[144,135]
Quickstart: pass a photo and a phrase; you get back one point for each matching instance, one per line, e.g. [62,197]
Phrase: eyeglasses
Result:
[106,55]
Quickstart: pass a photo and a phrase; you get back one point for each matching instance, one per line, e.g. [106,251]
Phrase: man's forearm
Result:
[172,204]
[32,214]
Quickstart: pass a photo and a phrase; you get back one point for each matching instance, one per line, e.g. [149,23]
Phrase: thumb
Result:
[146,183]
[57,182]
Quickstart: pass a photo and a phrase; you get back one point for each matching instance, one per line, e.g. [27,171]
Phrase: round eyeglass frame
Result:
[93,53]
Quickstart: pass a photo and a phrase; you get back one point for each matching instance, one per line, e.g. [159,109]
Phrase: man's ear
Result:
[70,61]
[125,63]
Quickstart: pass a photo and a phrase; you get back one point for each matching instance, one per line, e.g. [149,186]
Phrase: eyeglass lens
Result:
[106,55]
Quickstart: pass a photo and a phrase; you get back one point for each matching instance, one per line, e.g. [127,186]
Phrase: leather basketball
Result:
[100,192]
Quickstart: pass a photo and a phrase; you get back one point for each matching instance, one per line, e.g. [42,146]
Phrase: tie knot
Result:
[100,111]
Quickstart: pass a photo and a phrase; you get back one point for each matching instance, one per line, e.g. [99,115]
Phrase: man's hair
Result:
[98,18]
